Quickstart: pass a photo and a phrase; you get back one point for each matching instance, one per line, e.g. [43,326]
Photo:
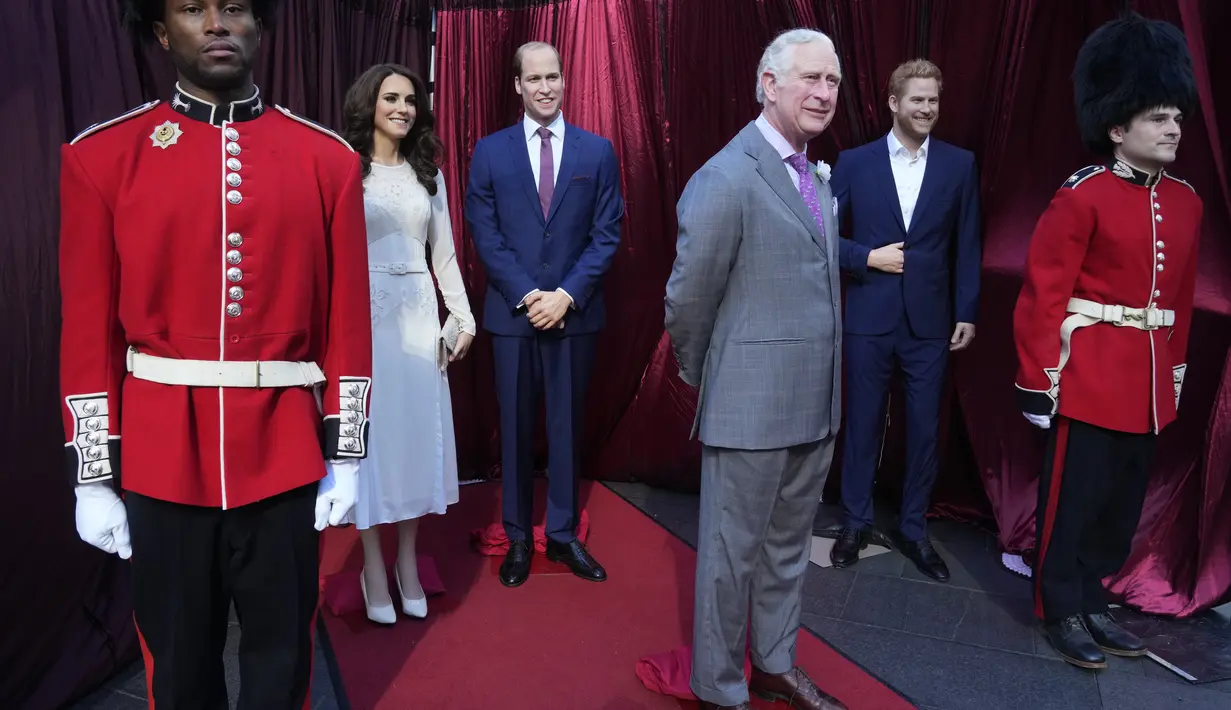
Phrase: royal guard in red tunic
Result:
[1102,325]
[216,323]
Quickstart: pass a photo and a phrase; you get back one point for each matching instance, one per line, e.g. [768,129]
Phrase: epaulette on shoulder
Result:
[113,121]
[1082,175]
[313,124]
[1182,182]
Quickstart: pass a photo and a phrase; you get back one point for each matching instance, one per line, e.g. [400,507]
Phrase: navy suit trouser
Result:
[559,366]
[870,362]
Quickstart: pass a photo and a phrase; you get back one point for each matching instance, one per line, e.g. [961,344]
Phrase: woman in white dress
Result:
[411,467]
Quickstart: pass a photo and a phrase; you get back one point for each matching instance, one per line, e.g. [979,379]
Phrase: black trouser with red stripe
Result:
[190,563]
[1090,496]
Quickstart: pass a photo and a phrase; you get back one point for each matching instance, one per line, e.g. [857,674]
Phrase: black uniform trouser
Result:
[1091,491]
[190,562]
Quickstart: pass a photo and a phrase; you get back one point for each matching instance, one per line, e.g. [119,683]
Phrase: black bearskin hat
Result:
[1125,67]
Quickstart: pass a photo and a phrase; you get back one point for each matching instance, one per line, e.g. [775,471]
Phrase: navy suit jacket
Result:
[521,250]
[943,241]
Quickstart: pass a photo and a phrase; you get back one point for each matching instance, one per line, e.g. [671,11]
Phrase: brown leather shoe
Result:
[795,687]
[711,706]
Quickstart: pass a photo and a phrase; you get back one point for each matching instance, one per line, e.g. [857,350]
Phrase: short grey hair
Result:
[780,54]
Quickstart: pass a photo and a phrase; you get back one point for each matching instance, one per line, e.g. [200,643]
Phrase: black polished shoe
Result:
[1111,637]
[575,556]
[516,566]
[845,552]
[925,557]
[1073,642]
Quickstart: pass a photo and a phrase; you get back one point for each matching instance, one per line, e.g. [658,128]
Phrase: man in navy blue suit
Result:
[914,253]
[545,209]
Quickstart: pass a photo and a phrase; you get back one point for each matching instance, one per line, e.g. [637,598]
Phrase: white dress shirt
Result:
[534,146]
[780,144]
[907,174]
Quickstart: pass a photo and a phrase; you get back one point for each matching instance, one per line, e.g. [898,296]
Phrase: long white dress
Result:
[411,467]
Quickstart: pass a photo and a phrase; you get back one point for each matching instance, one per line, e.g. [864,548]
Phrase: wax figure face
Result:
[212,42]
[541,84]
[395,107]
[915,111]
[1150,140]
[801,102]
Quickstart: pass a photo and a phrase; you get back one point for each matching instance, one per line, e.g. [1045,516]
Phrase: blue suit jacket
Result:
[521,250]
[943,241]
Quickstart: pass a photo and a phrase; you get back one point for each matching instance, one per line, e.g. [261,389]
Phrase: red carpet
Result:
[555,643]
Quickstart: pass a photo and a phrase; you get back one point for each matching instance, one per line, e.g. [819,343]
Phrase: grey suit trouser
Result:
[757,509]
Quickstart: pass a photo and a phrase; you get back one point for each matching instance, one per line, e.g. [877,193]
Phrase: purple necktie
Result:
[546,167]
[807,189]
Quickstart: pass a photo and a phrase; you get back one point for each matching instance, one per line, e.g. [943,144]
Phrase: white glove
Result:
[336,493]
[1038,420]
[102,519]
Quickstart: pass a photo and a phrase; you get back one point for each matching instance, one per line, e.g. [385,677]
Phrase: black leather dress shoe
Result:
[1073,642]
[575,556]
[925,557]
[845,552]
[1111,637]
[516,566]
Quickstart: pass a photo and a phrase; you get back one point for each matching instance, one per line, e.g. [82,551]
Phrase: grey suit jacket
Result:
[753,302]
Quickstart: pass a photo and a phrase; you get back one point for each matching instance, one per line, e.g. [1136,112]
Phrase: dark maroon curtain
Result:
[670,95]
[65,608]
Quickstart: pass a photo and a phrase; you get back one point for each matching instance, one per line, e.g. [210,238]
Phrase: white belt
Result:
[217,373]
[398,268]
[1086,313]
[1141,318]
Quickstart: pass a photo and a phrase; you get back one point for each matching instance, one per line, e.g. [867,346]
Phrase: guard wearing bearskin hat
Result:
[1101,325]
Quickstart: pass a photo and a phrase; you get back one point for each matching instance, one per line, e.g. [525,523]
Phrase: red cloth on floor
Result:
[492,541]
[667,673]
[340,592]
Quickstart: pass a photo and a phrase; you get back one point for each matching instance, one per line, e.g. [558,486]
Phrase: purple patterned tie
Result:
[546,167]
[807,189]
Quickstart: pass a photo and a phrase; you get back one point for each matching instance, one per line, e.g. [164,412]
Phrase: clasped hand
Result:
[546,310]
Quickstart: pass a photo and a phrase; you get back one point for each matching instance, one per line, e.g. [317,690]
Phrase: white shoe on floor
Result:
[412,607]
[383,614]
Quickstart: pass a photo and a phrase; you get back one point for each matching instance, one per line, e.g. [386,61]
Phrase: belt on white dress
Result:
[219,373]
[398,268]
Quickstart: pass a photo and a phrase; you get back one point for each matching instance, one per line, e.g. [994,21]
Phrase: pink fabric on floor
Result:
[667,673]
[492,541]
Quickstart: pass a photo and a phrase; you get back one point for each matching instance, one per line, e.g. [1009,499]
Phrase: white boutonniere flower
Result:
[823,170]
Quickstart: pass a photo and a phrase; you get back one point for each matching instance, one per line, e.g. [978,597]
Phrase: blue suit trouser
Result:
[560,368]
[870,362]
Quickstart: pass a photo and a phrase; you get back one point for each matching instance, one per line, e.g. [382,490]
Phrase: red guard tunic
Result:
[1102,321]
[235,234]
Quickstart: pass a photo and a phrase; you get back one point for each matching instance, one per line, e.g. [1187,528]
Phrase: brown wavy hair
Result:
[421,148]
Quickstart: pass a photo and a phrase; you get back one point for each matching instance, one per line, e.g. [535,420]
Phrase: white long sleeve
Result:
[444,258]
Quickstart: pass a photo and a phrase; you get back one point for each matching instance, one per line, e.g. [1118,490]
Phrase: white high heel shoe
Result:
[383,614]
[412,607]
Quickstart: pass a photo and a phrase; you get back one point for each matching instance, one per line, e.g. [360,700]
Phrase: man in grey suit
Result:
[753,311]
